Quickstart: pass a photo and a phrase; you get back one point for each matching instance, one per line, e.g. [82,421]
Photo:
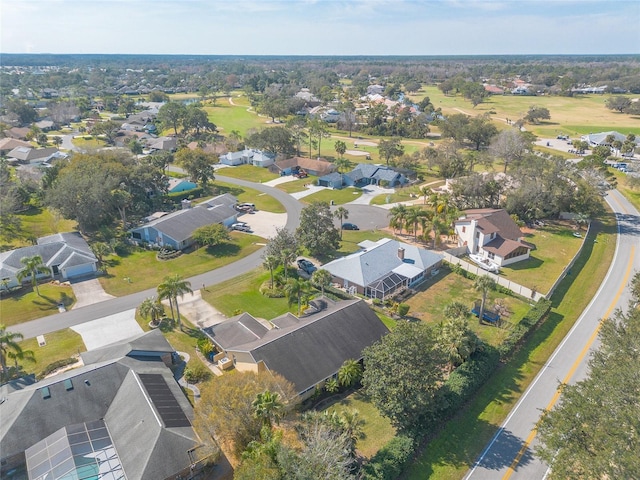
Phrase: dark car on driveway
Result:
[350,226]
[306,266]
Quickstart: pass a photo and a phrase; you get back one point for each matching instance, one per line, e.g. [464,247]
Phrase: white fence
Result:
[513,286]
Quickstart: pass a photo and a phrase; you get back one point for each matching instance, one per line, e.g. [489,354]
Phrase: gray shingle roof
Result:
[153,341]
[181,224]
[315,349]
[63,249]
[235,331]
[110,390]
[378,259]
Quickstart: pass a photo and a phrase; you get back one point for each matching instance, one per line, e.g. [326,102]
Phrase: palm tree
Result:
[33,266]
[349,373]
[425,192]
[151,308]
[455,309]
[295,289]
[171,288]
[9,348]
[267,407]
[270,262]
[321,278]
[484,283]
[398,216]
[341,213]
[414,217]
[456,340]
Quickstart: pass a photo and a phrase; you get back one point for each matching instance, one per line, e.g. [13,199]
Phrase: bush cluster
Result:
[179,196]
[390,460]
[535,315]
[52,367]
[196,373]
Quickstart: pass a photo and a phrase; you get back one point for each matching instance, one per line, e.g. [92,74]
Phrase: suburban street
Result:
[510,453]
[368,217]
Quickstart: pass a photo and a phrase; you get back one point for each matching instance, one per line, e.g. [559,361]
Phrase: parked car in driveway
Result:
[241,227]
[306,266]
[350,226]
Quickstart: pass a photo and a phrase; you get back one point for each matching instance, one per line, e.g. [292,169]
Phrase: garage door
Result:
[78,270]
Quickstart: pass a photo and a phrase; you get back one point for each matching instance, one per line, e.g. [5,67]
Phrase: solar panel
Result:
[164,401]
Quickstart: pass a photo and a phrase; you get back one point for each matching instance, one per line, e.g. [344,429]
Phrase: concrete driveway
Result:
[88,291]
[199,312]
[108,330]
[264,224]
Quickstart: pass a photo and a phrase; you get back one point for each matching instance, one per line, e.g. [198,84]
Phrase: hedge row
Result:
[463,382]
[179,196]
[52,367]
[535,315]
[390,460]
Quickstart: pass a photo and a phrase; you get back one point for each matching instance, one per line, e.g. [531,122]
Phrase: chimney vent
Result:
[401,253]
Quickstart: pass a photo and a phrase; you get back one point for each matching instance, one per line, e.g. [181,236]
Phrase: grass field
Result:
[141,270]
[255,174]
[25,304]
[229,117]
[455,447]
[59,346]
[428,304]
[339,197]
[555,247]
[569,115]
[36,223]
[296,185]
[377,430]
[244,194]
[242,294]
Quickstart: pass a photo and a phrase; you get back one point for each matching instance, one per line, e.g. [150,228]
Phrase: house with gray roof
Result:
[306,350]
[67,255]
[31,155]
[492,234]
[123,416]
[175,229]
[365,174]
[380,268]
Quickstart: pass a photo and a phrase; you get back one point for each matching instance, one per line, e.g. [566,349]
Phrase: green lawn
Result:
[144,271]
[241,294]
[244,194]
[296,185]
[249,173]
[351,239]
[555,247]
[228,117]
[569,115]
[59,346]
[25,304]
[631,193]
[428,304]
[37,222]
[339,197]
[456,446]
[377,430]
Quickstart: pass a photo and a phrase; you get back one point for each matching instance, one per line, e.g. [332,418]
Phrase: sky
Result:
[321,27]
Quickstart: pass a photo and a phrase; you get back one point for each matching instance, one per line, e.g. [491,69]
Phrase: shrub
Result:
[402,309]
[196,373]
[267,291]
[533,317]
[52,367]
[390,460]
[205,346]
[189,194]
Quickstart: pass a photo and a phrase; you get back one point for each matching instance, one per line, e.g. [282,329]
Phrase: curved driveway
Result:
[510,454]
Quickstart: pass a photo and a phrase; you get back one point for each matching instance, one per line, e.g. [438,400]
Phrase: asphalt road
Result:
[510,453]
[369,218]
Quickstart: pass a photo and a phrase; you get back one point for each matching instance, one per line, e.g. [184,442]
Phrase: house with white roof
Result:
[380,268]
[248,156]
